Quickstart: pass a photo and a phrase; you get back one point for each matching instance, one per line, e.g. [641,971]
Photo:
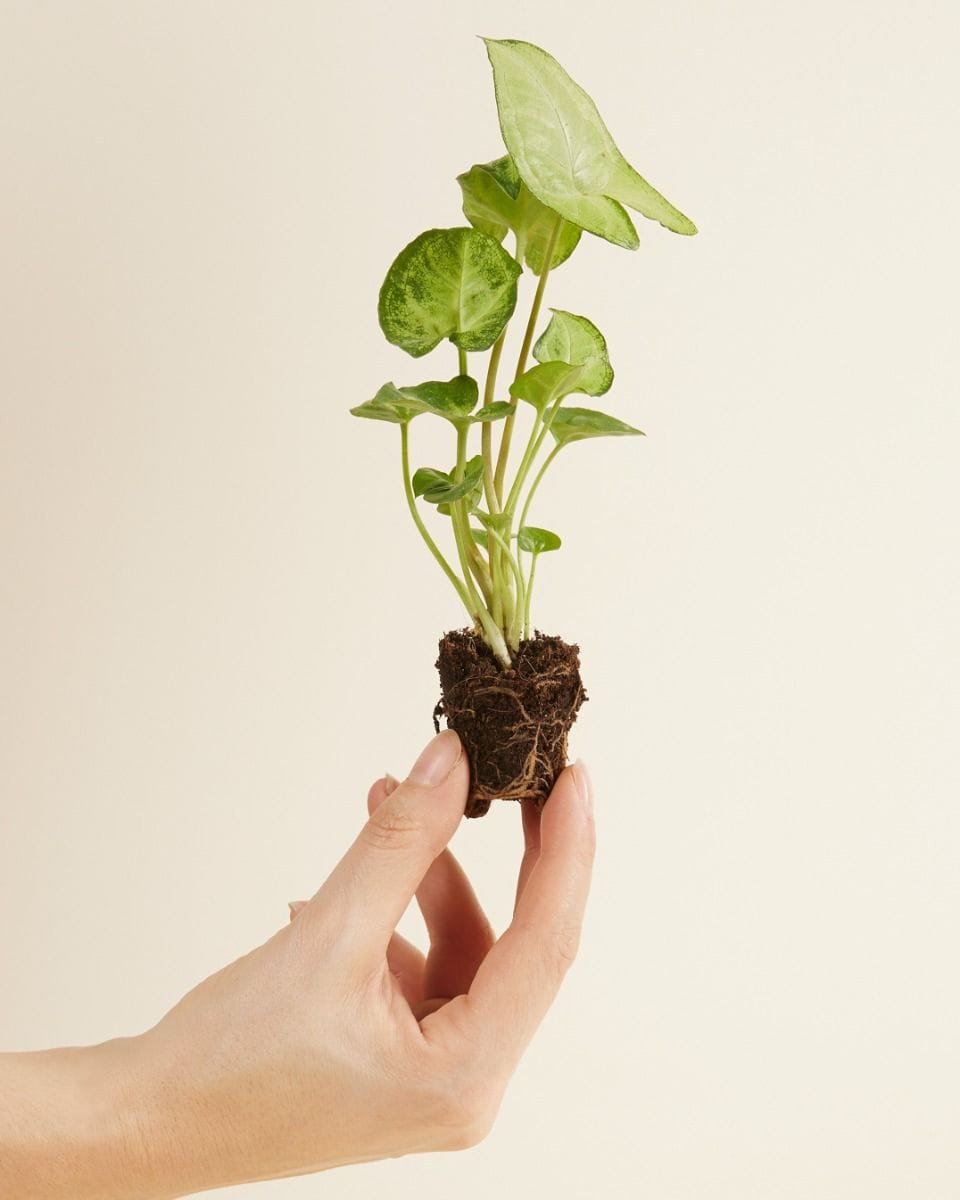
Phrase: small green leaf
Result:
[575,340]
[574,424]
[563,151]
[493,412]
[479,536]
[429,479]
[542,384]
[439,487]
[448,283]
[496,200]
[537,541]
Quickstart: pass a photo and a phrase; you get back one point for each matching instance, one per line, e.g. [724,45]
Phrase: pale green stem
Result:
[418,521]
[536,483]
[524,351]
[529,593]
[514,632]
[533,446]
[461,534]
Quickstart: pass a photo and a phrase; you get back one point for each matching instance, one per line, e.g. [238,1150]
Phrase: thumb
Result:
[365,896]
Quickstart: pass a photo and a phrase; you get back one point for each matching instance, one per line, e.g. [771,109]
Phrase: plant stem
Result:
[513,636]
[461,360]
[524,351]
[461,535]
[418,520]
[536,483]
[529,592]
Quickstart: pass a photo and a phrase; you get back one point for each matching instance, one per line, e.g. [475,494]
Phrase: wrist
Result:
[65,1123]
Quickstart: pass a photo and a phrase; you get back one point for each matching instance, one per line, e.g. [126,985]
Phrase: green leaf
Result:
[563,151]
[493,412]
[575,424]
[448,283]
[452,398]
[537,541]
[439,487]
[542,384]
[498,521]
[479,536]
[575,340]
[496,200]
[390,404]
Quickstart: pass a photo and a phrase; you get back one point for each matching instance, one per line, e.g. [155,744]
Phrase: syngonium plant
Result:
[510,692]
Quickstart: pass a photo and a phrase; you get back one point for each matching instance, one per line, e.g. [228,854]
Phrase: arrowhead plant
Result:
[562,175]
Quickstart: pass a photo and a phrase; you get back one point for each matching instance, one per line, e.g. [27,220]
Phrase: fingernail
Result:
[390,783]
[584,784]
[437,760]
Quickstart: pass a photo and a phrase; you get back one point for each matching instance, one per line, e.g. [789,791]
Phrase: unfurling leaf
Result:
[439,487]
[496,200]
[574,424]
[563,151]
[575,340]
[448,283]
[536,540]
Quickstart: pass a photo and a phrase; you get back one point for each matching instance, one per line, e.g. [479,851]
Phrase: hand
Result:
[336,1041]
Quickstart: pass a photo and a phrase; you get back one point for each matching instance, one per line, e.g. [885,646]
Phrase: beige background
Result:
[218,625]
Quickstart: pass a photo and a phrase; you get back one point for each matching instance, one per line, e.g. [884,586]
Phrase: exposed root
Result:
[513,723]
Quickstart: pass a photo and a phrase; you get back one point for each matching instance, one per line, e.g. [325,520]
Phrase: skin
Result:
[336,1041]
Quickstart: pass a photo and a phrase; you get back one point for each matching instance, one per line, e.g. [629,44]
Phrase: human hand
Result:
[336,1041]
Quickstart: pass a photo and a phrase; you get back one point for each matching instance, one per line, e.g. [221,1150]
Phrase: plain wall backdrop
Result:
[218,624]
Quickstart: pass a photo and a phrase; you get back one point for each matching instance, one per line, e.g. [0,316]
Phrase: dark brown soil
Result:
[513,723]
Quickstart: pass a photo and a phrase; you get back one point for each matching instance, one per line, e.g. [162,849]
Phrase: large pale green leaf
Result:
[448,283]
[577,341]
[575,424]
[563,151]
[496,200]
[537,541]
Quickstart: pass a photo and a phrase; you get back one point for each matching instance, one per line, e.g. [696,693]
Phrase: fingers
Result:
[520,977]
[366,894]
[460,934]
[531,845]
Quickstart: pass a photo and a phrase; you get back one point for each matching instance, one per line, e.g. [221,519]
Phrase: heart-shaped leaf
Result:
[563,151]
[448,283]
[542,384]
[496,200]
[536,540]
[577,341]
[439,487]
[493,412]
[574,424]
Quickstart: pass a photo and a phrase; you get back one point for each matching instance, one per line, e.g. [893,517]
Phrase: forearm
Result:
[67,1128]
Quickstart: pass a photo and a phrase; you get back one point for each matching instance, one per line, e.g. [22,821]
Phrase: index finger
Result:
[518,980]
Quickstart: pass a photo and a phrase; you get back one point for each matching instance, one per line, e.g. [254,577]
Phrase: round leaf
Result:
[448,283]
[563,151]
[575,340]
[575,424]
[536,540]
